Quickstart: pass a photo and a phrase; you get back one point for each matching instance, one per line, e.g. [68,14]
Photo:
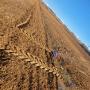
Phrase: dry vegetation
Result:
[31,30]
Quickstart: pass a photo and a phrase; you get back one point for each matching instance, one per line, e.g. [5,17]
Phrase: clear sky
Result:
[75,14]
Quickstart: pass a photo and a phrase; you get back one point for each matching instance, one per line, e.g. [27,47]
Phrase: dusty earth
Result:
[31,30]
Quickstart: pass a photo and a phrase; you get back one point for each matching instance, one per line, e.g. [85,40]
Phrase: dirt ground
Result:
[31,31]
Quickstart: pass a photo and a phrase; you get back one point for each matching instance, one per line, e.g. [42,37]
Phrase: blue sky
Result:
[75,14]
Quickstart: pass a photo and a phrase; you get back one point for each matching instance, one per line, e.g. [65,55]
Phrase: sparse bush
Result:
[85,48]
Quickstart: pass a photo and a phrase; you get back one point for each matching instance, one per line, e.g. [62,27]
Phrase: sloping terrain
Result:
[29,31]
